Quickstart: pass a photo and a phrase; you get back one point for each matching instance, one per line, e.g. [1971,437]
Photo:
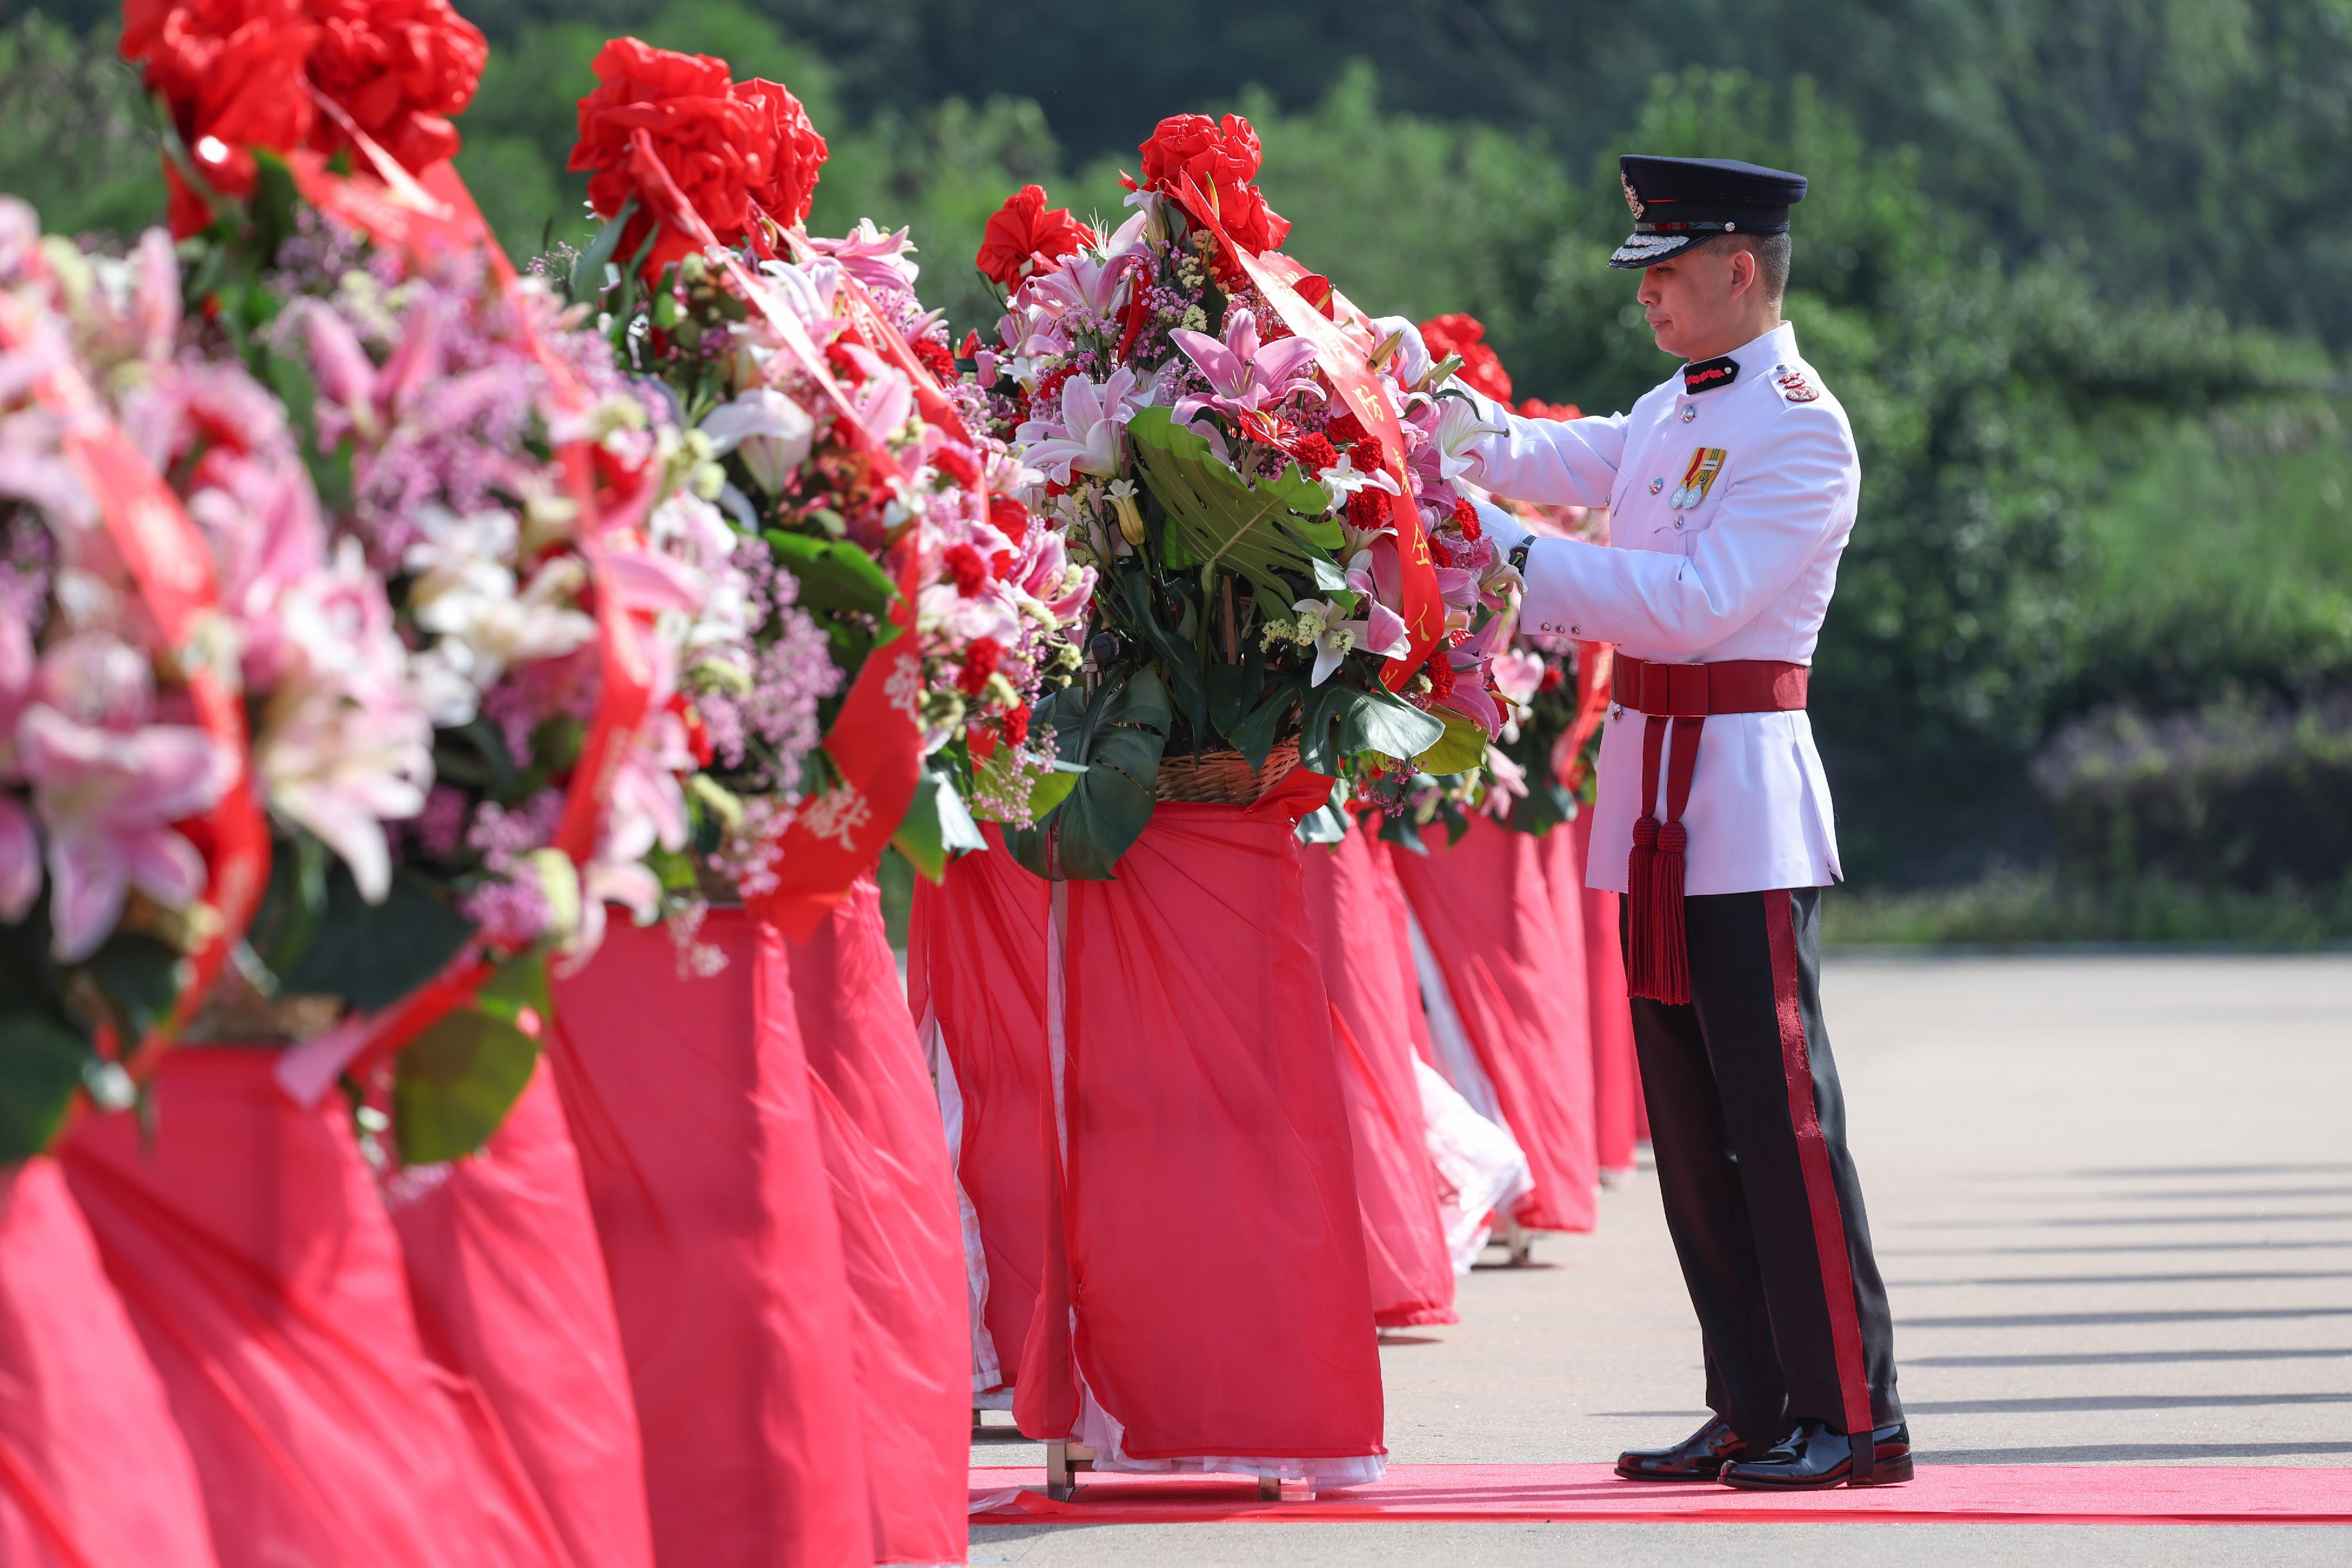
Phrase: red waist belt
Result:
[1680,697]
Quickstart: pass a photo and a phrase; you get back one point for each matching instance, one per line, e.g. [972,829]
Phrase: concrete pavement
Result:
[2112,1201]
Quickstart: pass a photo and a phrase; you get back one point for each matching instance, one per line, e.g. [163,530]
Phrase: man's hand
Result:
[1501,526]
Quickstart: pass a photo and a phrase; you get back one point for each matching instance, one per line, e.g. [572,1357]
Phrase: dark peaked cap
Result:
[1679,202]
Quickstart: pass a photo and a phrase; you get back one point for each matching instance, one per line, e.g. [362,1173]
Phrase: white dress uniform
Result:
[1728,509]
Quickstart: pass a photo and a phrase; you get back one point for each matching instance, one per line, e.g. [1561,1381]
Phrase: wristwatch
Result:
[1519,557]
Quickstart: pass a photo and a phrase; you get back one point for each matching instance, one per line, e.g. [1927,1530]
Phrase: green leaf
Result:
[374,954]
[1327,823]
[139,979]
[1324,704]
[1462,748]
[833,575]
[936,826]
[1053,788]
[1221,520]
[1179,657]
[587,280]
[453,1085]
[1255,735]
[1118,735]
[1386,723]
[41,1062]
[1544,807]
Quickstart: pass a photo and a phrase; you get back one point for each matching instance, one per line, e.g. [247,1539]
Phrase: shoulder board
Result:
[1794,385]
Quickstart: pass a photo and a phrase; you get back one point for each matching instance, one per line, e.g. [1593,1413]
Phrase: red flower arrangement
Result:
[1024,237]
[1222,158]
[735,149]
[1482,371]
[1536,408]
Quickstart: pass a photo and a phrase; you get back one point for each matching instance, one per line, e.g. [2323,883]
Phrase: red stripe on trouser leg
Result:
[1820,1185]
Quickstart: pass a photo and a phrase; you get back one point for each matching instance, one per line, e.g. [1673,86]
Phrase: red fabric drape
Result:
[1350,912]
[690,1102]
[976,968]
[93,1471]
[1211,1231]
[509,1290]
[1486,907]
[1616,1076]
[900,1239]
[1399,910]
[245,1236]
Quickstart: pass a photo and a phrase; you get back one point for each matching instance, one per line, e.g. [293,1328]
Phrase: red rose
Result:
[1223,159]
[1482,370]
[734,149]
[1208,150]
[399,68]
[1024,237]
[791,152]
[231,73]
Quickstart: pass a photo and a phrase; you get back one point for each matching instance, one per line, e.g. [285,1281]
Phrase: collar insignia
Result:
[1708,374]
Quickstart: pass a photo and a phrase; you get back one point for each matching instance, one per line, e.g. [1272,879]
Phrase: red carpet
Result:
[2015,1494]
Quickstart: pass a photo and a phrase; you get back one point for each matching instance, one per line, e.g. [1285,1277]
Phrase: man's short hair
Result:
[1772,253]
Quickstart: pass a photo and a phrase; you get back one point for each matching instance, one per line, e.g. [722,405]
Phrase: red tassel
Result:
[1639,966]
[1669,967]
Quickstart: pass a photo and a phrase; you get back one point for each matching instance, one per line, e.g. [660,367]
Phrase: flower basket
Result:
[1223,777]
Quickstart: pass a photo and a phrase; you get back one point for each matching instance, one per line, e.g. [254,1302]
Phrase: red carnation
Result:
[1481,370]
[979,664]
[1024,237]
[970,569]
[733,150]
[1536,408]
[399,68]
[1466,519]
[1314,452]
[1368,456]
[1347,430]
[1016,725]
[1441,675]
[1369,510]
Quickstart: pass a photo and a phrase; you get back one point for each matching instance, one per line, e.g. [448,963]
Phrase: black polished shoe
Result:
[1697,1457]
[1813,1457]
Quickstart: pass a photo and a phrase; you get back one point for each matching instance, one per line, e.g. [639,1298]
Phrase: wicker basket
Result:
[1224,778]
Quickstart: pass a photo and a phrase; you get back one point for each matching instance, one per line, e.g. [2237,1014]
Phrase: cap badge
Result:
[1632,200]
[1793,385]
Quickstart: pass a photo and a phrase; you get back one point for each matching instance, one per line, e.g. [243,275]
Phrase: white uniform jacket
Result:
[1729,510]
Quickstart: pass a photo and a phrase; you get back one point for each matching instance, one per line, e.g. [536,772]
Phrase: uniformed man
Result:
[1731,490]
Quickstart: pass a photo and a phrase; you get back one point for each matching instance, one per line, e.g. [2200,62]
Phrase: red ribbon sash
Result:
[1351,375]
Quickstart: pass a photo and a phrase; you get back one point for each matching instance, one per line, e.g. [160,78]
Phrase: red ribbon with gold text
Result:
[876,743]
[173,570]
[1351,374]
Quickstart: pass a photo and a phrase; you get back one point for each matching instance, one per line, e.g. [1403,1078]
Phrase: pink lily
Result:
[1243,373]
[1088,439]
[108,802]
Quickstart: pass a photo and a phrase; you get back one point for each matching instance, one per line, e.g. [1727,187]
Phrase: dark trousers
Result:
[1762,1197]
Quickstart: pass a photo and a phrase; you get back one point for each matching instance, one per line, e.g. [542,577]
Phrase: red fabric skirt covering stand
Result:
[1487,908]
[1210,1233]
[245,1236]
[93,1471]
[1616,1075]
[910,1334]
[509,1290]
[976,986]
[1373,1002]
[691,1103]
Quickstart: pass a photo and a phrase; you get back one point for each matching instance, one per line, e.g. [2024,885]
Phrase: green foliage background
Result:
[2082,275]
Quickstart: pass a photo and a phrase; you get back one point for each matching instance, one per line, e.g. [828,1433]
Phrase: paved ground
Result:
[2113,1200]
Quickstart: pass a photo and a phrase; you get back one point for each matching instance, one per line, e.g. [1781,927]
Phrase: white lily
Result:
[1380,631]
[771,433]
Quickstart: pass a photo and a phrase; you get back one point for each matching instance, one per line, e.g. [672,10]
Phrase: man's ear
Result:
[1744,270]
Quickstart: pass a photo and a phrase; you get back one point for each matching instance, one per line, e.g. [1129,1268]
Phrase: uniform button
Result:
[1689,415]
[1576,630]
[1678,522]
[1656,486]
